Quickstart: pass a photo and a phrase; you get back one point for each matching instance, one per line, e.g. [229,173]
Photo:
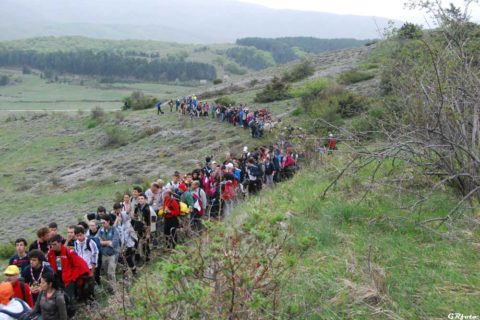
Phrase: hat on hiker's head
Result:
[245,149]
[160,182]
[12,270]
[182,186]
[6,292]
[229,165]
[330,135]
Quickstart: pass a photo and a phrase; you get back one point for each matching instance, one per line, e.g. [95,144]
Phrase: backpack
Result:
[69,304]
[256,171]
[184,210]
[25,314]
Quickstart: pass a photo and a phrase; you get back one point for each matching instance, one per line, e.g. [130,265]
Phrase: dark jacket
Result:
[53,308]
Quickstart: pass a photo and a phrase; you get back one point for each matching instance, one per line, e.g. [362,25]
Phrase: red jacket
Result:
[17,289]
[73,266]
[173,206]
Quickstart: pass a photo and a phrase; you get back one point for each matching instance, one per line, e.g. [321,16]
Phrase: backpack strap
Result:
[15,315]
[22,287]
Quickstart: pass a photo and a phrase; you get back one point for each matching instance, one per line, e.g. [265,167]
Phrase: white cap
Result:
[245,149]
[229,165]
[330,135]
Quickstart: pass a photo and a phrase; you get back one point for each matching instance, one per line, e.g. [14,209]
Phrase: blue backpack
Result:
[22,315]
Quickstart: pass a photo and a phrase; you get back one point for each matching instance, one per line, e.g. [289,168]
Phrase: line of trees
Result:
[109,64]
[282,49]
[251,58]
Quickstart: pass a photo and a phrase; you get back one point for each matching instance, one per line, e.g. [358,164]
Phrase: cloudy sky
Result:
[393,9]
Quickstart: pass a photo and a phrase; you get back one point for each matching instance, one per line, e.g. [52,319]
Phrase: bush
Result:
[217,81]
[139,101]
[115,136]
[26,70]
[225,101]
[354,76]
[234,68]
[313,88]
[298,112]
[91,124]
[97,114]
[276,90]
[4,80]
[301,71]
[7,250]
[350,104]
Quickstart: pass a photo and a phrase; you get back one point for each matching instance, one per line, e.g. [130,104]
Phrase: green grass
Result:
[425,275]
[30,92]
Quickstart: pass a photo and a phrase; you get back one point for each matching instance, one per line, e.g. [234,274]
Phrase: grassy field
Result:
[30,92]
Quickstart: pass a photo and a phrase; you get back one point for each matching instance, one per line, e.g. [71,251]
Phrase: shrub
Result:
[4,80]
[217,81]
[354,76]
[301,71]
[119,116]
[313,88]
[234,68]
[115,136]
[97,114]
[298,112]
[350,104]
[26,70]
[91,124]
[7,250]
[274,91]
[225,101]
[139,101]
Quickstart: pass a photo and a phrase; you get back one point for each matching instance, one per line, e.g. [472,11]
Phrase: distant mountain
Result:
[187,21]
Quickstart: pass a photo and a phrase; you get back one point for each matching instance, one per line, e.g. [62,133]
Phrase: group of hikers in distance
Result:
[255,120]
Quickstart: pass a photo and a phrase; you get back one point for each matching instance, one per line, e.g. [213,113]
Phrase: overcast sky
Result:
[393,9]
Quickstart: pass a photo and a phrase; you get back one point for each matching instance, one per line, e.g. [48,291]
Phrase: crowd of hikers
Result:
[244,117]
[57,274]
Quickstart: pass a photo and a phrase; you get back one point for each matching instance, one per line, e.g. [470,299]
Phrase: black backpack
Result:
[25,314]
[69,304]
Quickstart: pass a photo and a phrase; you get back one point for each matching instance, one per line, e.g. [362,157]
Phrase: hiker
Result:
[269,170]
[177,104]
[229,184]
[126,205]
[11,307]
[20,288]
[332,144]
[159,107]
[87,250]
[142,213]
[51,302]
[20,259]
[41,243]
[33,273]
[171,211]
[67,266]
[173,185]
[170,103]
[134,200]
[109,246]
[70,240]
[128,241]
[92,233]
[254,175]
[154,196]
